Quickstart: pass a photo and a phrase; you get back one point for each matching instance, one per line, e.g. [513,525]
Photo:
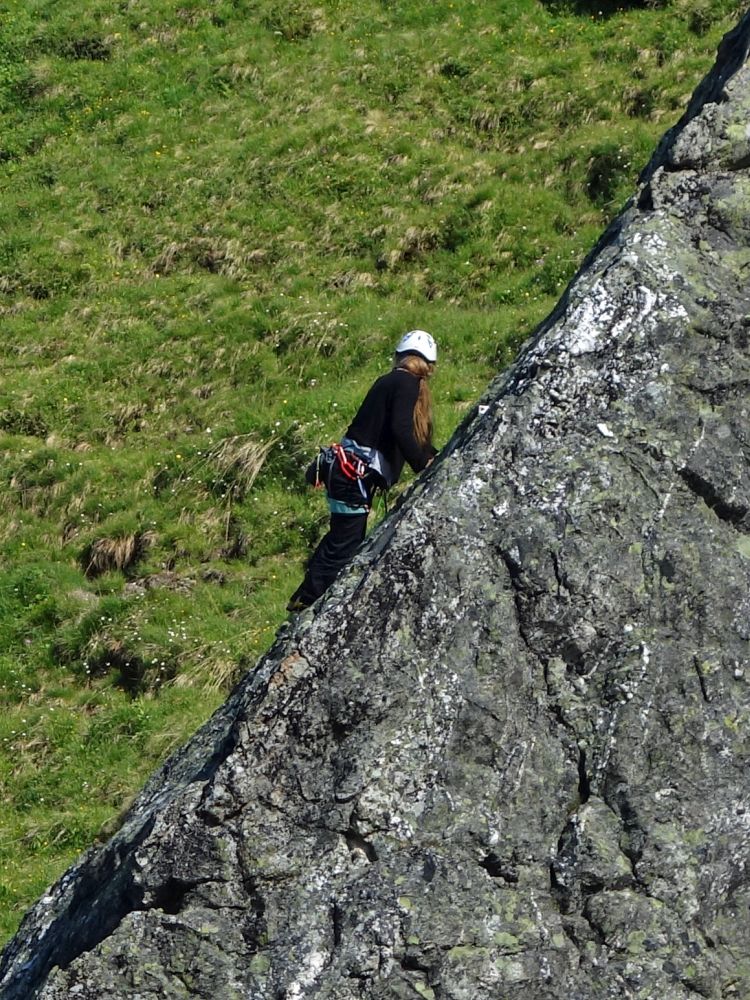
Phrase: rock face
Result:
[507,756]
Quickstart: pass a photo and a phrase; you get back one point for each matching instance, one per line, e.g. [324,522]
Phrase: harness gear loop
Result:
[318,481]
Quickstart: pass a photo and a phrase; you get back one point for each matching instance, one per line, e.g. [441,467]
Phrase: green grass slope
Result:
[216,217]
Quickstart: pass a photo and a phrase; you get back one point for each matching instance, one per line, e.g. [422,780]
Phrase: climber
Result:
[393,425]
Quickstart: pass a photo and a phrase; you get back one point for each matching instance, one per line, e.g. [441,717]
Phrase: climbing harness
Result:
[347,476]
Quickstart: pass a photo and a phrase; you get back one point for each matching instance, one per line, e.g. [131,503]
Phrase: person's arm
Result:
[402,425]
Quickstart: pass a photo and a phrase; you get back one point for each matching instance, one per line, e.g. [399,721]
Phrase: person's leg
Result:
[345,534]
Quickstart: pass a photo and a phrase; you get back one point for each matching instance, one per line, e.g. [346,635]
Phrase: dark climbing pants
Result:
[345,534]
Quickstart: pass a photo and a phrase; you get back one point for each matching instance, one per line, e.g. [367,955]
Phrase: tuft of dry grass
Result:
[118,553]
[352,280]
[128,416]
[218,256]
[207,671]
[238,461]
[414,244]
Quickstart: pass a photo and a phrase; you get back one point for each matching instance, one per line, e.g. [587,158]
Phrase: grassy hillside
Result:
[216,218]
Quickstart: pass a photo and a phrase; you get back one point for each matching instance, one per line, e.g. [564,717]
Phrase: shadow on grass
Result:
[600,8]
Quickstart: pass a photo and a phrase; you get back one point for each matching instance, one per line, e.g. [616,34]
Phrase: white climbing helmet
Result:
[418,342]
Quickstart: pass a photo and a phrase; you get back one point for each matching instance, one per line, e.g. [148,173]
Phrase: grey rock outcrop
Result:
[507,756]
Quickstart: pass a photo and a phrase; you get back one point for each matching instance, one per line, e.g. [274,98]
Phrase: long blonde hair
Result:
[421,369]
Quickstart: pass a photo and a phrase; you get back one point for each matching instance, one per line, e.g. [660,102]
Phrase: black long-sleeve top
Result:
[385,421]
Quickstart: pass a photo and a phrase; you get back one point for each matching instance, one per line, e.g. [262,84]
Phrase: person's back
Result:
[385,421]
